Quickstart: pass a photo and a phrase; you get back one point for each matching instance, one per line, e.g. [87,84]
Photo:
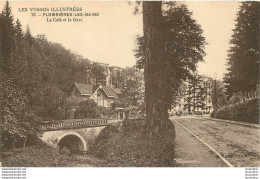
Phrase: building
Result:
[116,77]
[102,95]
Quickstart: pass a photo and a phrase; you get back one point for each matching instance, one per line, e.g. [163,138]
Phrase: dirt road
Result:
[240,145]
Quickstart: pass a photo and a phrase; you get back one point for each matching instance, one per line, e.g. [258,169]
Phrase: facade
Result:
[114,75]
[102,95]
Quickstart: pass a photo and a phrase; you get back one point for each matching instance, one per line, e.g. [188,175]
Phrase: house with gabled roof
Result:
[102,95]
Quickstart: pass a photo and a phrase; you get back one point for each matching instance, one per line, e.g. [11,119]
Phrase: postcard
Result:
[165,84]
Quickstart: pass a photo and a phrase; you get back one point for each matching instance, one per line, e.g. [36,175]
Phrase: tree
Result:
[198,93]
[18,31]
[243,56]
[219,97]
[155,83]
[7,38]
[17,120]
[188,99]
[130,92]
[139,52]
[87,109]
[169,51]
[195,94]
[98,72]
[1,37]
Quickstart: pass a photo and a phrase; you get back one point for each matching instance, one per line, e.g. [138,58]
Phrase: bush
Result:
[87,109]
[244,112]
[127,146]
[104,112]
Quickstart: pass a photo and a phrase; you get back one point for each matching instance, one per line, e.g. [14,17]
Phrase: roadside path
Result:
[190,152]
[238,144]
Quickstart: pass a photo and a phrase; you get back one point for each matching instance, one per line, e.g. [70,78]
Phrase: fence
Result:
[74,123]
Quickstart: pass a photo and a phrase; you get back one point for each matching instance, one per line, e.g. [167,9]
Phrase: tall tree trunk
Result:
[155,80]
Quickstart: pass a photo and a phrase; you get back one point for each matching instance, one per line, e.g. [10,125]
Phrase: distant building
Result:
[102,95]
[107,73]
[108,77]
[116,77]
[194,96]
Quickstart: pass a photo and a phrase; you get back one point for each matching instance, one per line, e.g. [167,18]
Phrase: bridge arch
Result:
[71,138]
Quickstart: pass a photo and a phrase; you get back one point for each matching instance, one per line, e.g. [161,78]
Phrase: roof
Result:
[84,89]
[110,92]
[88,89]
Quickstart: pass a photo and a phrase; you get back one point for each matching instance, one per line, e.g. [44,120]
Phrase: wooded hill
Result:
[36,76]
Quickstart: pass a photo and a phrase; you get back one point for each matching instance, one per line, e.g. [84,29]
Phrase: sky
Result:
[217,19]
[111,36]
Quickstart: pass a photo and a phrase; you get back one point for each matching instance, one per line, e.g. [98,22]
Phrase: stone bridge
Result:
[74,134]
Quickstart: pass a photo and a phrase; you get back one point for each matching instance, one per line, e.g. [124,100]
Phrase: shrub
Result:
[129,147]
[87,109]
[104,112]
[244,112]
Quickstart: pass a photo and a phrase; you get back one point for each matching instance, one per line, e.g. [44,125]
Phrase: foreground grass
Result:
[39,155]
[117,146]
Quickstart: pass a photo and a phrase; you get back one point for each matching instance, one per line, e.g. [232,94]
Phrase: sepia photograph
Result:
[130,84]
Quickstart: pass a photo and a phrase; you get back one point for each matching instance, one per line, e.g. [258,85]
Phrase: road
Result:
[239,145]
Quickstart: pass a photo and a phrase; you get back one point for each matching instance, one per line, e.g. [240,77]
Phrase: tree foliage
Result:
[196,94]
[219,97]
[99,74]
[184,45]
[130,93]
[18,121]
[86,109]
[243,56]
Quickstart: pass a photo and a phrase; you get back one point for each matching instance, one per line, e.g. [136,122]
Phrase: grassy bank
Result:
[127,146]
[39,155]
[244,112]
